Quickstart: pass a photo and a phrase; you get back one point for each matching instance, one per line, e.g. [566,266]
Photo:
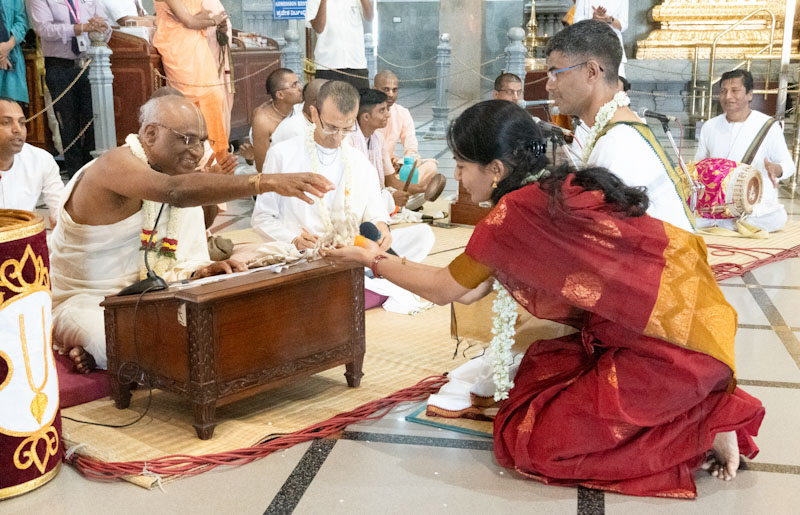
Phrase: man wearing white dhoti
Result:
[737,135]
[109,212]
[582,64]
[26,172]
[326,149]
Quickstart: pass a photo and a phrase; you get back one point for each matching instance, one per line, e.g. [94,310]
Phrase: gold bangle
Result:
[255,180]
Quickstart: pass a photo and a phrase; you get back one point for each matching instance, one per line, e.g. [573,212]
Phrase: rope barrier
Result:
[406,67]
[79,136]
[260,70]
[316,65]
[59,97]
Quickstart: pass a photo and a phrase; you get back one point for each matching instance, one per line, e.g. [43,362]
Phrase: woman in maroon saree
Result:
[644,393]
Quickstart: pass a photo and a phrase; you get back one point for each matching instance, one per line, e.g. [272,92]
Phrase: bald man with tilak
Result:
[109,210]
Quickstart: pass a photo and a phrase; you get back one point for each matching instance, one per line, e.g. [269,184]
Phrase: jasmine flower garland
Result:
[504,330]
[604,115]
[341,230]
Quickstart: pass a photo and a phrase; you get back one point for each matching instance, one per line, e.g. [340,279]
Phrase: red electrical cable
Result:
[186,465]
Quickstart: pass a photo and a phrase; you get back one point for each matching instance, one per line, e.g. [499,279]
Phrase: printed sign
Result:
[289,9]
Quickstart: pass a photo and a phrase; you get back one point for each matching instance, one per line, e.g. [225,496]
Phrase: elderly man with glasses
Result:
[324,148]
[108,220]
[583,60]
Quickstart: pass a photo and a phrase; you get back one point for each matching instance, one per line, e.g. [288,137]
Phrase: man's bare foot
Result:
[84,362]
[723,461]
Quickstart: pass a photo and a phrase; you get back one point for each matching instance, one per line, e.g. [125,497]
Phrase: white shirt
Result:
[730,140]
[290,127]
[341,43]
[33,174]
[626,154]
[616,8]
[283,218]
[117,9]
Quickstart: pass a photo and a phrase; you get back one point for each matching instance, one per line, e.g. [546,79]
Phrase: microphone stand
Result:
[696,188]
[152,282]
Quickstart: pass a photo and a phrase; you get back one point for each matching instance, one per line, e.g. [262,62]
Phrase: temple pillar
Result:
[463,20]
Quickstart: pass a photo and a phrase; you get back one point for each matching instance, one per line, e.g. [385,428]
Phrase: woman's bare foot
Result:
[84,362]
[723,461]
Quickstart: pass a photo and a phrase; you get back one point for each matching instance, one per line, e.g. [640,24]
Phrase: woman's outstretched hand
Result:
[361,254]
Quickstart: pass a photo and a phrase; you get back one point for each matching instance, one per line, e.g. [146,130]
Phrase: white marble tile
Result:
[788,304]
[246,489]
[385,478]
[777,439]
[745,305]
[761,355]
[782,273]
[750,493]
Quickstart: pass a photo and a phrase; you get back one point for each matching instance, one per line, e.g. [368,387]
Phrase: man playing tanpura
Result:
[582,61]
[285,92]
[110,208]
[744,135]
[401,128]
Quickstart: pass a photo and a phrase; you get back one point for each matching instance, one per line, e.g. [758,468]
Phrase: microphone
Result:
[552,128]
[532,103]
[370,232]
[663,118]
[152,282]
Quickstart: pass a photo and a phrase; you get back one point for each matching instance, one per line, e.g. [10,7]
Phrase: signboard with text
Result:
[289,9]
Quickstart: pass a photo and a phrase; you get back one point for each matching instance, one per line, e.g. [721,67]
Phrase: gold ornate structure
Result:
[690,24]
[533,41]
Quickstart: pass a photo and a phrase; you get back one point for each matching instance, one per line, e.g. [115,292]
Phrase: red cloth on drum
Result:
[16,479]
[633,401]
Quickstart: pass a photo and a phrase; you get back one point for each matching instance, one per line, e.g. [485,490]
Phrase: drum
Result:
[30,423]
[732,189]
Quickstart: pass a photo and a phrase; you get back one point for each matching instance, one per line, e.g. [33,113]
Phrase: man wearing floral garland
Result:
[324,149]
[582,61]
[109,212]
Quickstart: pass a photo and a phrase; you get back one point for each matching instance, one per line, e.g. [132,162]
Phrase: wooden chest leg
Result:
[120,392]
[353,372]
[205,419]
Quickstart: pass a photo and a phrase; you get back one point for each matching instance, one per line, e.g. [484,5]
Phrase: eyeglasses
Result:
[188,140]
[551,74]
[512,92]
[294,85]
[330,131]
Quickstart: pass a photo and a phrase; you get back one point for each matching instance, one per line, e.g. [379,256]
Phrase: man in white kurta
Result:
[612,12]
[400,129]
[582,60]
[300,120]
[26,172]
[105,220]
[730,135]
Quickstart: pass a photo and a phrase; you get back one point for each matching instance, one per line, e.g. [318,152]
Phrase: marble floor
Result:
[393,466]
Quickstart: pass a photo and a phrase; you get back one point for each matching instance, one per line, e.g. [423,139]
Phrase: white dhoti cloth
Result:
[90,262]
[414,243]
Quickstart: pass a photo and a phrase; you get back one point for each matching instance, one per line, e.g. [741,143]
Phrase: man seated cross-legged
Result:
[110,208]
[326,149]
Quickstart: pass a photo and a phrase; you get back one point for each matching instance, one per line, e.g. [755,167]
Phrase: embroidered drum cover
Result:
[731,188]
[30,422]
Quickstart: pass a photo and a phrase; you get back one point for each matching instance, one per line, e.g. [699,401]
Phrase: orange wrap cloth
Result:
[632,402]
[191,68]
